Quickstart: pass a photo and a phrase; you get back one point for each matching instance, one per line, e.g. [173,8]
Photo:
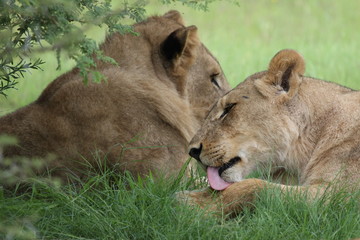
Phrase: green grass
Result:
[244,39]
[124,208]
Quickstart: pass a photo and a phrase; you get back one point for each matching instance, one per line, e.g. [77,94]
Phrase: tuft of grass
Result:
[106,206]
[109,206]
[294,216]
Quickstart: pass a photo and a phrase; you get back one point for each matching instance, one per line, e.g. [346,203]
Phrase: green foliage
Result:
[10,73]
[55,25]
[200,5]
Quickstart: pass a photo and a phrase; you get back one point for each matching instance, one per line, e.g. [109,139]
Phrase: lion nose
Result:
[195,152]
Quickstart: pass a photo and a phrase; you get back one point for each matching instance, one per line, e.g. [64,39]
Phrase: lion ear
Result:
[283,77]
[174,15]
[179,42]
[178,51]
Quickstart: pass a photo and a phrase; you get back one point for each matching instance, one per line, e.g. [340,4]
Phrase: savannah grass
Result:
[109,206]
[243,38]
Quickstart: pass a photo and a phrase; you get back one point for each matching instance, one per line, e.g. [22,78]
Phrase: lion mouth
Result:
[214,174]
[229,164]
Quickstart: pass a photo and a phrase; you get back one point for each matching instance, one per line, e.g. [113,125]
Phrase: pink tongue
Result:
[216,182]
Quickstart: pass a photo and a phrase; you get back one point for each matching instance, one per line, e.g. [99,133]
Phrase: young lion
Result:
[282,119]
[140,119]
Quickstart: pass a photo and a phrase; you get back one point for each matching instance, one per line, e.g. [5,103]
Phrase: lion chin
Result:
[282,120]
[140,119]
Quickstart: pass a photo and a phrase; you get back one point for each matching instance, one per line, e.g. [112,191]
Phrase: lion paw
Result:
[205,198]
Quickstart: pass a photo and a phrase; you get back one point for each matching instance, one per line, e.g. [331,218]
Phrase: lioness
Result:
[278,118]
[140,119]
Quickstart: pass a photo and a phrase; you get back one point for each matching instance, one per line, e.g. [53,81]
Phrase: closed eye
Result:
[227,109]
[214,80]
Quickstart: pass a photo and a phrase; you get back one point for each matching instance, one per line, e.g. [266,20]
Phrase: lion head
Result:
[254,123]
[172,52]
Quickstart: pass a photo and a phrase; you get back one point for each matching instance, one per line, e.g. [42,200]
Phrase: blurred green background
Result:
[244,38]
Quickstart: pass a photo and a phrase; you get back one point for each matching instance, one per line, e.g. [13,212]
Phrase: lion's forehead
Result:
[244,90]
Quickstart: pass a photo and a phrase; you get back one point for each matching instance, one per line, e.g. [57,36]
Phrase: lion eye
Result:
[227,109]
[214,80]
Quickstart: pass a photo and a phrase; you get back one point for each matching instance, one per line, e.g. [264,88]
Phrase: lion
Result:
[280,119]
[140,119]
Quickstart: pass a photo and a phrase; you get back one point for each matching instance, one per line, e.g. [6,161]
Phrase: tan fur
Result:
[140,119]
[281,119]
